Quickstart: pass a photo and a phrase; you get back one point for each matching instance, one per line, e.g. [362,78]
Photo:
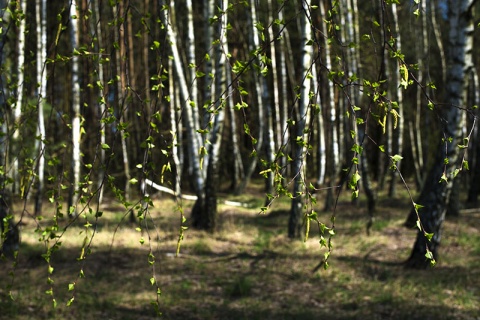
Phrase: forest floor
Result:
[249,269]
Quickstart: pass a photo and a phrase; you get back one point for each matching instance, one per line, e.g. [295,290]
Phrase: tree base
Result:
[417,261]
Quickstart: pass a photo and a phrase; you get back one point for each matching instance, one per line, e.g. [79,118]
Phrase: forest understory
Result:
[249,269]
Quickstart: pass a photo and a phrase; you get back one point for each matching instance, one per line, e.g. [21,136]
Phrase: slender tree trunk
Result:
[435,195]
[101,105]
[175,123]
[191,121]
[272,109]
[238,173]
[353,62]
[146,66]
[321,149]
[75,109]
[205,218]
[260,91]
[438,37]
[20,88]
[41,17]
[421,48]
[333,158]
[10,234]
[383,73]
[398,134]
[296,218]
[121,64]
[282,127]
[474,190]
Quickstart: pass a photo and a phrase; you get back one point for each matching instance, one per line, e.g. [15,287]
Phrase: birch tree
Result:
[20,88]
[301,142]
[282,132]
[261,92]
[474,190]
[121,62]
[397,147]
[101,103]
[205,216]
[432,204]
[10,234]
[41,18]
[334,151]
[75,110]
[272,108]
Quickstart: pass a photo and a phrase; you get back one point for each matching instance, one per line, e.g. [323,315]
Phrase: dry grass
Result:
[249,269]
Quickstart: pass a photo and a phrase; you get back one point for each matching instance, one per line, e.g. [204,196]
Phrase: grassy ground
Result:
[248,270]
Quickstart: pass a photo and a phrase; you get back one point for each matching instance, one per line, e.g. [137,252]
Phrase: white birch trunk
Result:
[333,162]
[273,108]
[190,111]
[282,128]
[301,138]
[204,212]
[260,91]
[41,17]
[175,123]
[19,101]
[101,105]
[75,109]
[435,195]
[398,143]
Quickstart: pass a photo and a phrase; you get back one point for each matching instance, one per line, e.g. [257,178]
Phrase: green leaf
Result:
[429,236]
[429,255]
[455,172]
[396,158]
[105,146]
[71,286]
[417,206]
[354,194]
[444,178]
[419,226]
[355,178]
[152,281]
[69,303]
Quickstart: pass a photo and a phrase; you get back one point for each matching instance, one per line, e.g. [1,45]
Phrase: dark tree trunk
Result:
[453,205]
[436,193]
[10,233]
[474,189]
[434,198]
[295,221]
[204,212]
